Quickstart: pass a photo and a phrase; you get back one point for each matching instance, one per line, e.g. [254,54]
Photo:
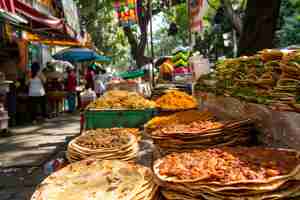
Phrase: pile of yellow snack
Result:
[176,100]
[121,99]
[184,117]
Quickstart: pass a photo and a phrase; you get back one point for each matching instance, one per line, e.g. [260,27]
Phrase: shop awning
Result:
[7,11]
[41,22]
[132,74]
[79,55]
[7,5]
[12,17]
[56,41]
[50,41]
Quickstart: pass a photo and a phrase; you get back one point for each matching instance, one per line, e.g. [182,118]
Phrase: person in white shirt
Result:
[37,92]
[87,96]
[144,88]
[99,82]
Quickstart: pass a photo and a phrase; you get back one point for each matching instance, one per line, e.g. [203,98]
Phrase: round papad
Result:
[91,179]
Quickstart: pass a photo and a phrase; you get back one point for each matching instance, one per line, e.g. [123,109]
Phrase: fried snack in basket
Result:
[183,117]
[133,131]
[120,99]
[176,100]
[240,173]
[271,54]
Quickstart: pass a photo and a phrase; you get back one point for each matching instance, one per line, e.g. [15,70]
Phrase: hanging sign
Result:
[34,54]
[71,15]
[197,10]
[44,6]
[126,12]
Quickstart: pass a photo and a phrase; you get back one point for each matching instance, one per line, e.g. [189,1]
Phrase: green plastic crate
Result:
[117,118]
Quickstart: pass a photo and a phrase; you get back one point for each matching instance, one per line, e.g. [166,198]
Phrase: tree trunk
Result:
[138,45]
[233,17]
[259,26]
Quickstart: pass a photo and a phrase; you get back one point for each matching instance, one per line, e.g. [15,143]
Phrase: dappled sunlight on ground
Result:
[32,145]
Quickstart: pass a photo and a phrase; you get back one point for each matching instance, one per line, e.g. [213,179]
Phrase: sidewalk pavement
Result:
[32,145]
[24,153]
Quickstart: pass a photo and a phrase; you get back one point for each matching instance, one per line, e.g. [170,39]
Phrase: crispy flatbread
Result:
[92,179]
[77,150]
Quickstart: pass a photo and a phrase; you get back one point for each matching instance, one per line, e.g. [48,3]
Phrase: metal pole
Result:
[235,48]
[151,42]
[151,30]
[190,25]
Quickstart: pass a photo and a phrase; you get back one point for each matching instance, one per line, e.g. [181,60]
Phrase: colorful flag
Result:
[126,12]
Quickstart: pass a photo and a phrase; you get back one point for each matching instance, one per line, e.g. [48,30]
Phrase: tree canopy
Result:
[98,17]
[289,29]
[223,18]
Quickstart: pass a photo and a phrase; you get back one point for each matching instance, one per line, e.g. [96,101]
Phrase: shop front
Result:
[28,33]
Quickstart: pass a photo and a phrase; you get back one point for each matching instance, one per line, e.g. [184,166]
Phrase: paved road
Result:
[24,153]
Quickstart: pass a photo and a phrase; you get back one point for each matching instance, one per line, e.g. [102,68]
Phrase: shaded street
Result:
[24,154]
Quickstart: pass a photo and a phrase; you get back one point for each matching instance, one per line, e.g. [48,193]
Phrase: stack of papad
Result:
[104,144]
[92,179]
[286,92]
[230,174]
[202,135]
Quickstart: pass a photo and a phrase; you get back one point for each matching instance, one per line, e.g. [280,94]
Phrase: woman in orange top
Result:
[166,70]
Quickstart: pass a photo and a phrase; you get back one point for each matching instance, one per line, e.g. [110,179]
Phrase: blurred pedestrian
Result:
[99,82]
[37,92]
[71,89]
[89,78]
[166,70]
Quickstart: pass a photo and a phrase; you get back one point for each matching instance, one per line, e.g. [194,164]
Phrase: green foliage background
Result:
[98,16]
[289,32]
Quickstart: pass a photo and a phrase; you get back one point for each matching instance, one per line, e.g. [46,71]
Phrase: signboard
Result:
[71,14]
[197,10]
[34,54]
[44,6]
[47,3]
[46,54]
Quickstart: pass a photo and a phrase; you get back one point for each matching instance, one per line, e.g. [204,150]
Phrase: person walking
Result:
[89,78]
[99,82]
[71,89]
[37,92]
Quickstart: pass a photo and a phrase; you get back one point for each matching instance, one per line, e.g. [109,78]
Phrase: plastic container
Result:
[117,118]
[4,123]
[54,165]
[200,66]
[87,97]
[4,118]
